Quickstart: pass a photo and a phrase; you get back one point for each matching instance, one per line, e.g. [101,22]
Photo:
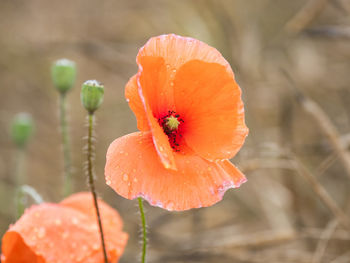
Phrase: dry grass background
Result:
[287,55]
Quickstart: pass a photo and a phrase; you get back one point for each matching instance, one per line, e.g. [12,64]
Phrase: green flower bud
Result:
[63,73]
[91,95]
[22,129]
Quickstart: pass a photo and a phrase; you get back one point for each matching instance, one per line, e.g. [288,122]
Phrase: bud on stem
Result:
[63,73]
[22,129]
[91,95]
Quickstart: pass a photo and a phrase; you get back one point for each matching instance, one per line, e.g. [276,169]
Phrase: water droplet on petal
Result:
[170,206]
[108,182]
[96,246]
[161,148]
[75,221]
[58,222]
[135,180]
[41,232]
[127,100]
[125,177]
[65,234]
[211,190]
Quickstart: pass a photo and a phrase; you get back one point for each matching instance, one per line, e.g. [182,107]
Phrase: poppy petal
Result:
[83,202]
[150,75]
[154,81]
[15,250]
[135,103]
[177,50]
[59,233]
[197,183]
[111,221]
[209,100]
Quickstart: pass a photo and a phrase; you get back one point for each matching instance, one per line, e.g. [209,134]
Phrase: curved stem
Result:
[91,182]
[22,192]
[67,188]
[144,231]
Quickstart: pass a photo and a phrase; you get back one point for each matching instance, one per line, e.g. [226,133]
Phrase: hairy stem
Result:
[91,182]
[144,231]
[67,188]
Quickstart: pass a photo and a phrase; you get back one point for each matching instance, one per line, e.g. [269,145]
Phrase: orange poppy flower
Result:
[65,232]
[191,117]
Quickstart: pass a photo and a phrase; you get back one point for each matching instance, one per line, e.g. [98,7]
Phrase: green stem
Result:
[19,177]
[144,231]
[91,182]
[19,166]
[67,188]
[22,193]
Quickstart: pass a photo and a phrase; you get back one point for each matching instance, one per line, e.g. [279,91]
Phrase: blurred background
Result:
[291,59]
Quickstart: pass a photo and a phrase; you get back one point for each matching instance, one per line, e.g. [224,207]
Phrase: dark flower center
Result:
[171,124]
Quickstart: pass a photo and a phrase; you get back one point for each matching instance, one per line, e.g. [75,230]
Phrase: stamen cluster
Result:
[172,132]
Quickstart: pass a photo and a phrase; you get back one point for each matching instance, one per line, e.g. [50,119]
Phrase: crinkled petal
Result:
[62,233]
[15,250]
[133,169]
[135,103]
[161,57]
[187,76]
[209,100]
[83,202]
[155,101]
[177,50]
[111,221]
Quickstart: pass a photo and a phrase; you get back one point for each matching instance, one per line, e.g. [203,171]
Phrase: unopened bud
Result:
[22,129]
[91,95]
[63,73]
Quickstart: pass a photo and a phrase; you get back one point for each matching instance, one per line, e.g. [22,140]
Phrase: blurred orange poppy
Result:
[191,117]
[66,232]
